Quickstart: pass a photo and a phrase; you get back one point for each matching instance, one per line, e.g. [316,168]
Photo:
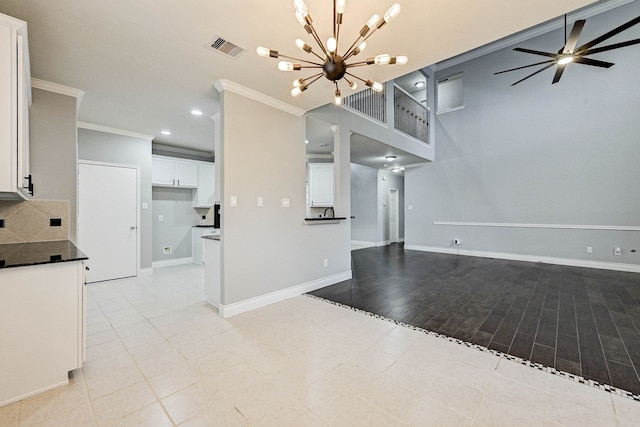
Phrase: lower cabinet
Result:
[42,313]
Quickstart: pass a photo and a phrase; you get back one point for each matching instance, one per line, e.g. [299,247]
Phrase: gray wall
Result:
[113,148]
[176,207]
[364,203]
[538,153]
[268,249]
[53,150]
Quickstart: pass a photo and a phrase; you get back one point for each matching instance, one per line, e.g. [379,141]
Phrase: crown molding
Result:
[115,131]
[57,88]
[222,85]
[524,35]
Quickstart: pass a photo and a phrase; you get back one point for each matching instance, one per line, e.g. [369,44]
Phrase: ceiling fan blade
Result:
[533,74]
[536,52]
[611,47]
[608,35]
[594,62]
[558,75]
[525,66]
[572,41]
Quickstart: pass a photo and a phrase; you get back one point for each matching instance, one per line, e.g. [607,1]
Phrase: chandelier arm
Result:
[356,77]
[314,80]
[317,39]
[298,59]
[311,66]
[358,64]
[351,48]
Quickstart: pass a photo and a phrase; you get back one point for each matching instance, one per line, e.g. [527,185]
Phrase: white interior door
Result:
[108,220]
[394,216]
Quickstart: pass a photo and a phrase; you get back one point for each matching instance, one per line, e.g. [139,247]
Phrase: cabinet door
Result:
[186,174]
[205,194]
[162,171]
[321,184]
[7,170]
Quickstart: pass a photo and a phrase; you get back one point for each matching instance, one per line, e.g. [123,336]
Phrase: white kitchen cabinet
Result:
[206,192]
[321,184]
[15,91]
[170,172]
[42,308]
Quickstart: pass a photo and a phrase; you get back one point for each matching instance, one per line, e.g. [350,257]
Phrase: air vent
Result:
[225,47]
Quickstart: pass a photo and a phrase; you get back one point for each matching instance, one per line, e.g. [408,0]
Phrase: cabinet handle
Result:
[173,182]
[133,227]
[29,186]
[178,183]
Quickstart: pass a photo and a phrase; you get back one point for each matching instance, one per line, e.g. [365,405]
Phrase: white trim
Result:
[277,296]
[115,131]
[57,88]
[549,226]
[364,243]
[33,393]
[145,272]
[601,265]
[527,34]
[222,85]
[172,262]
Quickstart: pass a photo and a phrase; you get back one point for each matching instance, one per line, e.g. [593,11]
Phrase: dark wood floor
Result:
[579,320]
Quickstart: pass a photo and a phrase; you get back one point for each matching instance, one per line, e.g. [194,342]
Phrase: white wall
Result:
[386,181]
[364,203]
[537,153]
[270,249]
[114,148]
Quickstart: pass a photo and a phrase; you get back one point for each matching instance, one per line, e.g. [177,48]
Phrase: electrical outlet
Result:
[260,202]
[589,250]
[617,251]
[166,250]
[326,262]
[457,242]
[160,218]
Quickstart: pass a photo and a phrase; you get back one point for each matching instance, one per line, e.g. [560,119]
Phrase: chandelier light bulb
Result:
[332,45]
[352,85]
[338,97]
[301,7]
[375,86]
[298,90]
[300,19]
[341,6]
[263,51]
[285,66]
[360,48]
[373,21]
[401,60]
[301,44]
[382,59]
[298,82]
[392,13]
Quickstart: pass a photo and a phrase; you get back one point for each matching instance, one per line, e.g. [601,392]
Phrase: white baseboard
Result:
[144,272]
[172,262]
[277,296]
[33,393]
[601,265]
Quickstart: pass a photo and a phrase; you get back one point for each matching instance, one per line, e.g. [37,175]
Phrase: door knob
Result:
[133,227]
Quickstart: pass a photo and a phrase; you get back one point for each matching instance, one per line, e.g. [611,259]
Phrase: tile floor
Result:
[158,356]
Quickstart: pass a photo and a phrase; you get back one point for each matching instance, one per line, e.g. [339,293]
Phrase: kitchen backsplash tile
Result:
[30,221]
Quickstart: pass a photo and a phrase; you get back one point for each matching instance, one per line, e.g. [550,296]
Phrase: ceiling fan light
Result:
[382,59]
[332,44]
[565,60]
[393,11]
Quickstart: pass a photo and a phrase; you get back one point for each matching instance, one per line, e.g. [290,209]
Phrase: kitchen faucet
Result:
[333,213]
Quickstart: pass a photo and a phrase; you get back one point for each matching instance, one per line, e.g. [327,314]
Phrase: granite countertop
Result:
[34,253]
[326,218]
[212,237]
[204,225]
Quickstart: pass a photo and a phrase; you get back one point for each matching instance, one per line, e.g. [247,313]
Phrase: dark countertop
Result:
[326,218]
[34,253]
[212,237]
[204,226]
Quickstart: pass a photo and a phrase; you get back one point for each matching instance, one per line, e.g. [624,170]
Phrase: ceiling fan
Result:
[569,53]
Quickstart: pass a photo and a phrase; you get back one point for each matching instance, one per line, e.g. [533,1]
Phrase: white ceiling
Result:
[143,66]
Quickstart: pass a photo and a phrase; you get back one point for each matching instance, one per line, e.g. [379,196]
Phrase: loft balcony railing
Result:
[368,103]
[409,116]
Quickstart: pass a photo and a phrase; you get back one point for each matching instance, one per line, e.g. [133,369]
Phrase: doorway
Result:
[108,219]
[394,215]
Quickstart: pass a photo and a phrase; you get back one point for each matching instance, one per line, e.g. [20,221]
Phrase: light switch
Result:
[260,201]
[160,218]
[234,200]
[285,203]
[145,205]
[410,207]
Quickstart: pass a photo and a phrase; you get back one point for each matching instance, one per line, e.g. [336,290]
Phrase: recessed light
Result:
[419,84]
[196,112]
[396,170]
[390,158]
[165,132]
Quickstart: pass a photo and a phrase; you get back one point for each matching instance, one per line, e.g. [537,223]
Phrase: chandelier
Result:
[332,64]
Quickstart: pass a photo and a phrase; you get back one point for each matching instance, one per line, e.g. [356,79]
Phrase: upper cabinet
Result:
[205,194]
[321,186]
[170,172]
[15,85]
